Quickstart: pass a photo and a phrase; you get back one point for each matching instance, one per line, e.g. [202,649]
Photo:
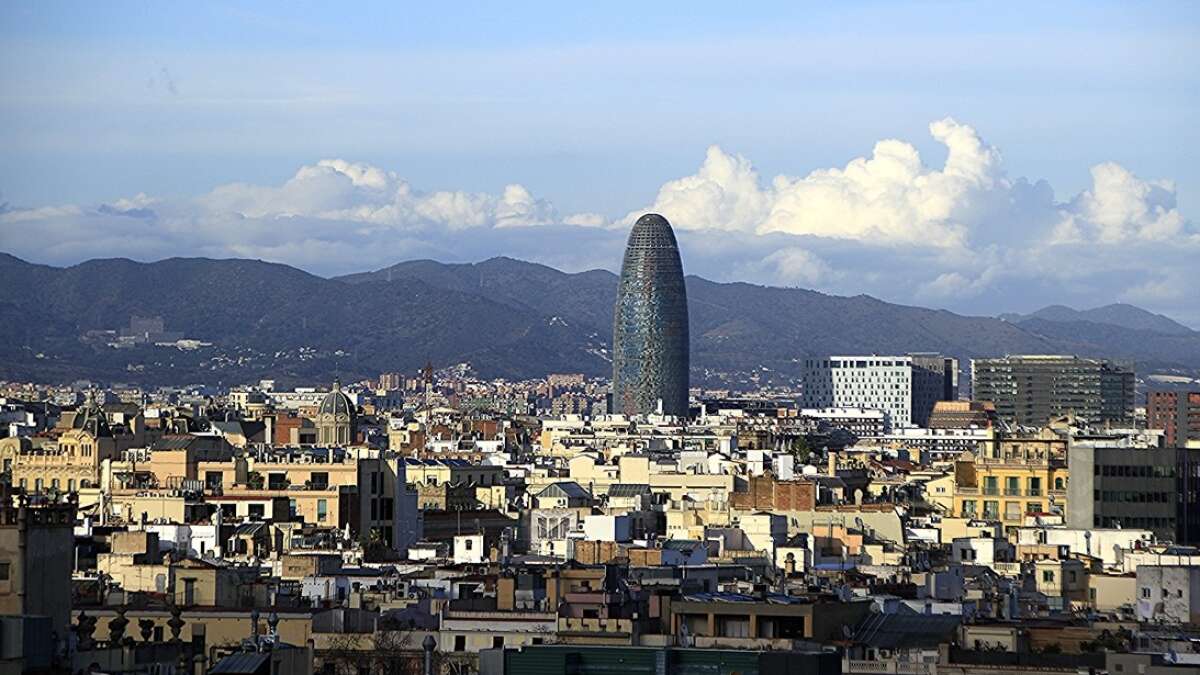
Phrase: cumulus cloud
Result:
[337,190]
[963,235]
[889,197]
[1119,208]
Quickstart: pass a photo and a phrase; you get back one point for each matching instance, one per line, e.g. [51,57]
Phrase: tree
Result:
[389,652]
[800,449]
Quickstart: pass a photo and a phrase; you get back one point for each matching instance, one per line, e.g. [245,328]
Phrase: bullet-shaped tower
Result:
[650,327]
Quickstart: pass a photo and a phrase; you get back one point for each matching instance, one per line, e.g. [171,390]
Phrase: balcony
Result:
[852,666]
[1012,492]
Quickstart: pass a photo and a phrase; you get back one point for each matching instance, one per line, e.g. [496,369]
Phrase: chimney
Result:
[506,593]
[832,463]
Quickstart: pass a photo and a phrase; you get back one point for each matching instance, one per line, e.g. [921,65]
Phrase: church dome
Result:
[336,403]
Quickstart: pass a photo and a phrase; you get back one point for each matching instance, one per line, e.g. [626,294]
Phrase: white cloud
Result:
[962,235]
[1120,207]
[334,189]
[793,266]
[889,197]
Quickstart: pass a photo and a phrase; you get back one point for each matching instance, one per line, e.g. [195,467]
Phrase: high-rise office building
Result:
[1176,412]
[650,327]
[1031,390]
[905,387]
[1152,488]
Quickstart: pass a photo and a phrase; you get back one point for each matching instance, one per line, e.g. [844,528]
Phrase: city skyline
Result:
[489,339]
[965,160]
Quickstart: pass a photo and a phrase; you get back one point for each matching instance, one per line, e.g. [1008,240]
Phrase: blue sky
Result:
[597,110]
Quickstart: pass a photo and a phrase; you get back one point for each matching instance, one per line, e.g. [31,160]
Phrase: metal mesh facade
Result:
[650,331]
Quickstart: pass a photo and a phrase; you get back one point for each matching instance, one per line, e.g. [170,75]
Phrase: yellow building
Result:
[1012,477]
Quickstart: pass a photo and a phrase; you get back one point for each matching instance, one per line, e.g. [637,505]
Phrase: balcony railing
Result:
[851,666]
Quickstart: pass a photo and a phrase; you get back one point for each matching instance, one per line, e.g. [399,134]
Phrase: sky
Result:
[982,158]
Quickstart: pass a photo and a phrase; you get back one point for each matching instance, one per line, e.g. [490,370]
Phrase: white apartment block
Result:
[904,387]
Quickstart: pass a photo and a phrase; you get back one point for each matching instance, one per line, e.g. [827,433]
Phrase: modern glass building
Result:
[650,328]
[1034,389]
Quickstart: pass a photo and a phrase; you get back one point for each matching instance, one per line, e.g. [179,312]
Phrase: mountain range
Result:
[507,318]
[1116,314]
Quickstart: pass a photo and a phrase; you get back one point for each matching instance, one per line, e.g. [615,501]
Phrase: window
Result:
[1012,510]
[991,485]
[1012,485]
[256,511]
[1034,487]
[497,642]
[460,643]
[4,571]
[1048,576]
[322,509]
[319,480]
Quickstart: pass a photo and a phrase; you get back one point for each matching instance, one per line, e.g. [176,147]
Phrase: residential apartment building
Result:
[36,556]
[1013,477]
[1176,412]
[1168,593]
[1032,390]
[905,387]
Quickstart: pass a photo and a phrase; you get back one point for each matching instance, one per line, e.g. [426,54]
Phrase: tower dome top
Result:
[652,231]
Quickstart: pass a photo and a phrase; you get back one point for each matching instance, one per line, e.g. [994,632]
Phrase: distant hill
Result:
[506,317]
[1117,314]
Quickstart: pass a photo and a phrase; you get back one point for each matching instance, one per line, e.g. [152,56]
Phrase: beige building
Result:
[137,565]
[71,461]
[36,554]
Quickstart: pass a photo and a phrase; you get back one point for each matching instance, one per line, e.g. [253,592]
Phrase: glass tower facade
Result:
[650,327]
